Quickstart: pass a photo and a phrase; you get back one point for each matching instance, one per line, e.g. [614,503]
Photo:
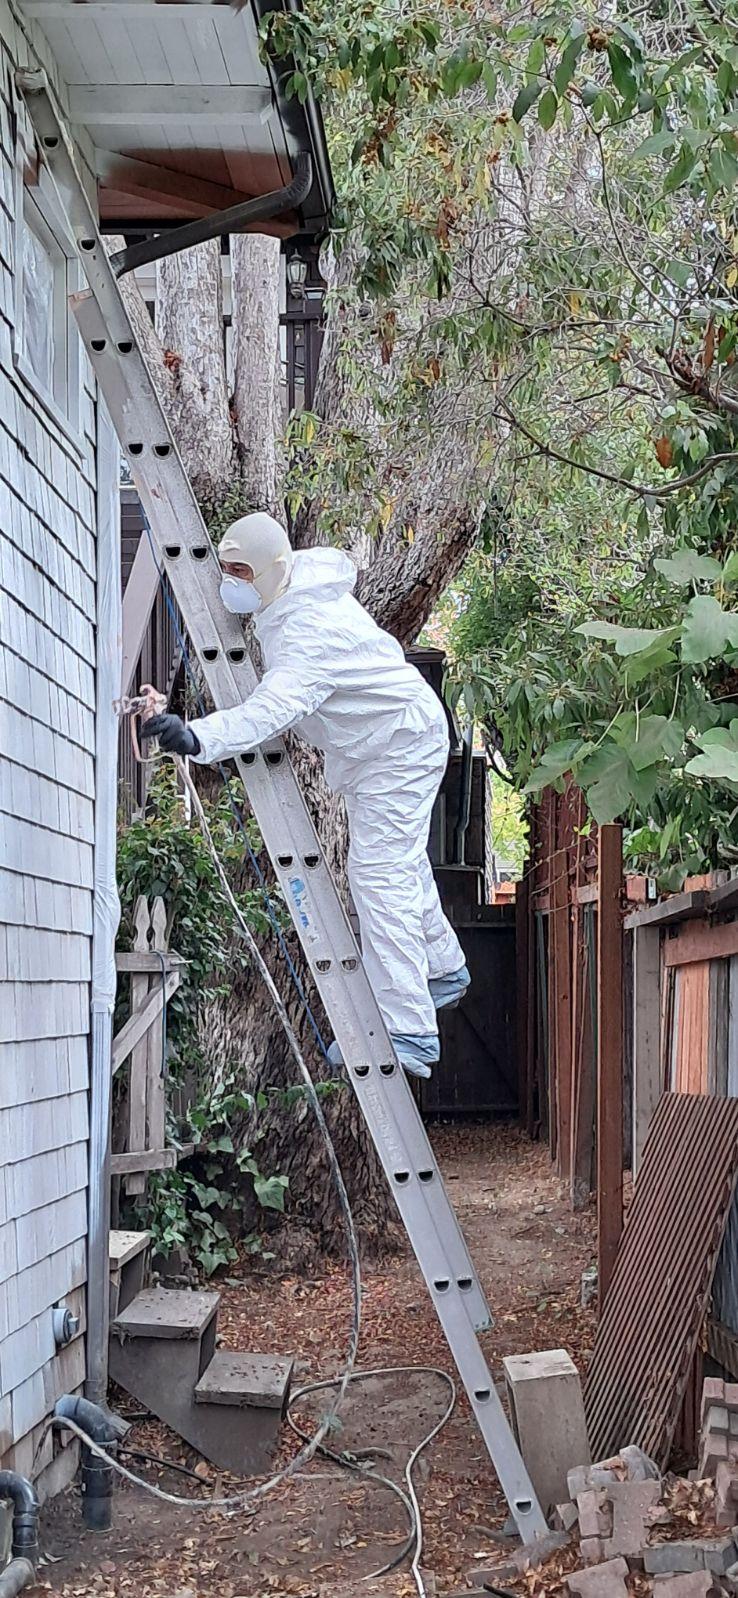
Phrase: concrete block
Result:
[592,1550]
[630,1502]
[565,1517]
[669,1559]
[716,1419]
[713,1392]
[697,1585]
[718,1554]
[601,1581]
[595,1518]
[714,1449]
[731,1395]
[546,1401]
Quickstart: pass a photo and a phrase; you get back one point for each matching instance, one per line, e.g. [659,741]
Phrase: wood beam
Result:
[138,602]
[698,940]
[561,966]
[143,1160]
[609,1053]
[138,1025]
[157,104]
[188,196]
[70,10]
[647,1057]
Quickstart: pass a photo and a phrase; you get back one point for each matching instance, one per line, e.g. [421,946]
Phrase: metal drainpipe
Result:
[17,1575]
[106,909]
[235,220]
[465,793]
[21,1572]
[97,1474]
[21,1494]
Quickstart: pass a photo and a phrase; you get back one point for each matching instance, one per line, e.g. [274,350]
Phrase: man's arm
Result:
[282,698]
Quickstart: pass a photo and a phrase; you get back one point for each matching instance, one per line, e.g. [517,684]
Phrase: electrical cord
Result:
[352,1462]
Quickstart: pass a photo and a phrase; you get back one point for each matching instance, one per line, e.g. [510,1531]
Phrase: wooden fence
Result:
[154,973]
[621,998]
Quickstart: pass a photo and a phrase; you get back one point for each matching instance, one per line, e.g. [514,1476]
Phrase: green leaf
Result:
[658,739]
[687,566]
[707,630]
[627,640]
[655,144]
[554,763]
[719,764]
[547,108]
[525,99]
[536,58]
[683,167]
[270,1191]
[730,569]
[567,65]
[723,167]
[623,75]
[642,667]
[611,794]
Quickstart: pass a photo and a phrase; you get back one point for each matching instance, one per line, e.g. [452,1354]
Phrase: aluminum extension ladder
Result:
[188,558]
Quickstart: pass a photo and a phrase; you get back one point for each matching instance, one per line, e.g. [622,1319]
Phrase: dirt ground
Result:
[327,1530]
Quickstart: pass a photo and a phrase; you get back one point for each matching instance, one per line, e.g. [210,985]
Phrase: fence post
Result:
[561,948]
[647,1082]
[609,1052]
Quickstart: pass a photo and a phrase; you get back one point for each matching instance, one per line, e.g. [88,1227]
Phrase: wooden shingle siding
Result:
[49,904]
[33,1071]
[47,791]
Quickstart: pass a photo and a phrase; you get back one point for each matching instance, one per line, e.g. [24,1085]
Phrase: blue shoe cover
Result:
[415,1054]
[447,991]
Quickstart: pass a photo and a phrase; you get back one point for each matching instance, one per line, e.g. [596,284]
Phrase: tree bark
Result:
[257,399]
[189,324]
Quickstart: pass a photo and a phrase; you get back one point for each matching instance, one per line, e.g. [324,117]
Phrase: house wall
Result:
[47,791]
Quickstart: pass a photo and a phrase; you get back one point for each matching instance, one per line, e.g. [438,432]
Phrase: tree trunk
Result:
[189,323]
[257,403]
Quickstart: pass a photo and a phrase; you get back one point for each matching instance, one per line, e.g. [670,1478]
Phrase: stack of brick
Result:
[616,1514]
[719,1430]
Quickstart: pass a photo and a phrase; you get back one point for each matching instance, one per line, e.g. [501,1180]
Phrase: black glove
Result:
[173,736]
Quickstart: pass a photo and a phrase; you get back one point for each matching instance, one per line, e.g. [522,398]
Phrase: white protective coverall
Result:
[345,687]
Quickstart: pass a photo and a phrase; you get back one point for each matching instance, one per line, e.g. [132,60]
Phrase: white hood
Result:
[328,570]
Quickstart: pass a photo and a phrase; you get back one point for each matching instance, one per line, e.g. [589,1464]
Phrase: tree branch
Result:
[639,490]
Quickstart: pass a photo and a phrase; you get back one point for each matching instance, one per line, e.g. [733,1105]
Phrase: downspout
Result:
[106,907]
[237,219]
[465,793]
[97,1473]
[21,1571]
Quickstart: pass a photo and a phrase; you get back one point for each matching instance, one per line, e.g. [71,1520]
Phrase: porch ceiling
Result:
[184,117]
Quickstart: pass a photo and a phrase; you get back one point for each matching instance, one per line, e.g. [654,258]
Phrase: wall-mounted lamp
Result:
[296,276]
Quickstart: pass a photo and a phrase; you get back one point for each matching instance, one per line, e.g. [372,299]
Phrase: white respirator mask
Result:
[239,597]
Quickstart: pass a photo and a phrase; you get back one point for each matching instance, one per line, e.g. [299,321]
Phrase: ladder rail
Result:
[189,560]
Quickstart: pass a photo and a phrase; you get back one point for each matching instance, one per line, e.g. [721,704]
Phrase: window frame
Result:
[38,208]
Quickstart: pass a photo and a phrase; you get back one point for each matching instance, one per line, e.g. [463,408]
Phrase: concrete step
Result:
[129,1254]
[229,1405]
[261,1381]
[160,1312]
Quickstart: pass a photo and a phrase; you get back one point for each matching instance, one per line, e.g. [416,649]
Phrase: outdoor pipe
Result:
[97,1474]
[462,824]
[22,1495]
[17,1575]
[235,220]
